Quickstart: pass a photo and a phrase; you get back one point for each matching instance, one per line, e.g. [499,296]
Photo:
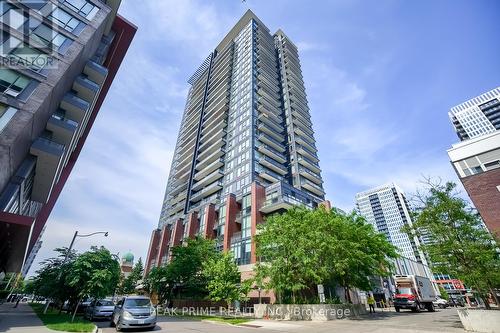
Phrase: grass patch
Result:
[61,322]
[220,319]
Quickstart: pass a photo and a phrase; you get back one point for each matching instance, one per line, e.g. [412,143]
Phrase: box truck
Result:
[414,292]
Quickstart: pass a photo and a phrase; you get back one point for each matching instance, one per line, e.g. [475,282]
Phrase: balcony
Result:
[268,174]
[303,141]
[273,165]
[302,150]
[213,118]
[86,88]
[281,202]
[271,142]
[269,131]
[179,197]
[207,149]
[308,164]
[312,176]
[75,107]
[208,159]
[212,138]
[63,130]
[305,125]
[272,111]
[177,189]
[217,174]
[272,121]
[209,169]
[212,135]
[213,127]
[95,72]
[310,186]
[302,133]
[268,103]
[271,152]
[211,189]
[49,156]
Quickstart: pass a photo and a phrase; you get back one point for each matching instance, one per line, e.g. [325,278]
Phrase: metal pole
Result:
[63,262]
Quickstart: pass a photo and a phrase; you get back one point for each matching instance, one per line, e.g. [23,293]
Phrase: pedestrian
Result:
[371,303]
[17,302]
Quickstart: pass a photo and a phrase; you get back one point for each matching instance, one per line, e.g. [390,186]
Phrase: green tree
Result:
[183,276]
[459,244]
[302,248]
[159,282]
[224,279]
[94,274]
[442,292]
[184,272]
[51,279]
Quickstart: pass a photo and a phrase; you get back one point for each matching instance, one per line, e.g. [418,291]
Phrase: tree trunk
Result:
[76,308]
[494,295]
[47,300]
[348,295]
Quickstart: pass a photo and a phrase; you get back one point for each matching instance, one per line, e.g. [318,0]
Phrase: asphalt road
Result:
[387,322]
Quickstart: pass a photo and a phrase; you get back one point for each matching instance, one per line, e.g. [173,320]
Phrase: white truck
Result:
[414,292]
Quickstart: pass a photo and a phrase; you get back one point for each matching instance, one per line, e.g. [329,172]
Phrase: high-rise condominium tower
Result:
[477,158]
[58,59]
[245,148]
[477,116]
[387,209]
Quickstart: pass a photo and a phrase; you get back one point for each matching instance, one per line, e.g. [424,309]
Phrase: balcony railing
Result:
[263,137]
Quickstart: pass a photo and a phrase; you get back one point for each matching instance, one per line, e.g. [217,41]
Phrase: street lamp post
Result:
[105,233]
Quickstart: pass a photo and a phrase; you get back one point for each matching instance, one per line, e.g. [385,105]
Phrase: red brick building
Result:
[477,164]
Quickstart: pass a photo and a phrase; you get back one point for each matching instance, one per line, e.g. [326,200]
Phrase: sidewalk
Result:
[20,320]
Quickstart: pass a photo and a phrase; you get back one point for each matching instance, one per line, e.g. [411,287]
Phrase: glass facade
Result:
[237,133]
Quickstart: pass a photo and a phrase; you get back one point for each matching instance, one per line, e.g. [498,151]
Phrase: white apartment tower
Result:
[387,209]
[477,116]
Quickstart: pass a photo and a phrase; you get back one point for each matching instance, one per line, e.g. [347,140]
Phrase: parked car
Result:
[441,303]
[134,312]
[99,309]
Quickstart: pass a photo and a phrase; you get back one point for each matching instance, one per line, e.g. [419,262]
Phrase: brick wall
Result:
[482,189]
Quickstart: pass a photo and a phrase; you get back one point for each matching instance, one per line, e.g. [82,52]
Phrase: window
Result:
[46,36]
[34,4]
[64,20]
[12,83]
[6,114]
[11,16]
[492,165]
[31,58]
[82,7]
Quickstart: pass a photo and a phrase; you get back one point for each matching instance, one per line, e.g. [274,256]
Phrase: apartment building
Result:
[476,159]
[58,60]
[387,209]
[245,148]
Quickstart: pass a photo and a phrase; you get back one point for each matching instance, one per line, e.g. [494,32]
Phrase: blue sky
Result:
[380,77]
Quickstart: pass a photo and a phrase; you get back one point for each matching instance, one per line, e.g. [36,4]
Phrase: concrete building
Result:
[388,210]
[477,163]
[245,148]
[477,116]
[58,60]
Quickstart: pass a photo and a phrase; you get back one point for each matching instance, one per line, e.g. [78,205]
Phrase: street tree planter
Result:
[480,320]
